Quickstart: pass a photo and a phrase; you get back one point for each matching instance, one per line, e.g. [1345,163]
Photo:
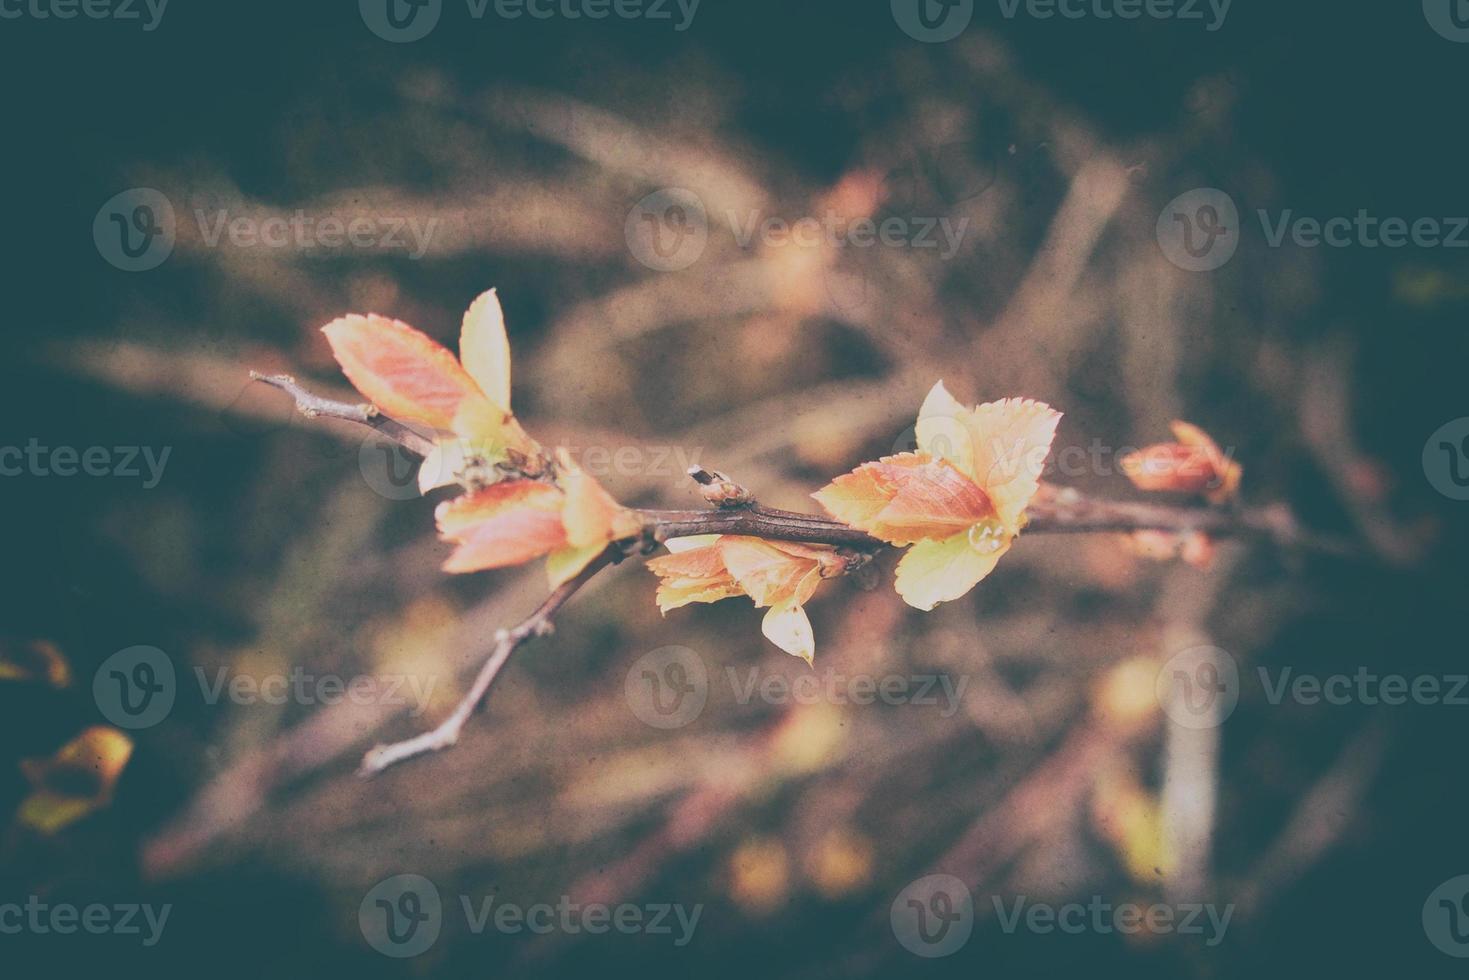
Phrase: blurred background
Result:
[191,200]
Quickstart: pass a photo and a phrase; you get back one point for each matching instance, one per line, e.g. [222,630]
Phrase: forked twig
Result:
[1056,510]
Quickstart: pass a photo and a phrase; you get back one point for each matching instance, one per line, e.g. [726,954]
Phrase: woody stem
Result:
[1054,511]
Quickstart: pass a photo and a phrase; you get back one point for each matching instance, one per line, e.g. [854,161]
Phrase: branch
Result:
[1055,510]
[537,623]
[314,406]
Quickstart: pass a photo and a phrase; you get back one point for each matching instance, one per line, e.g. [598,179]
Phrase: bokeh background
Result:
[272,543]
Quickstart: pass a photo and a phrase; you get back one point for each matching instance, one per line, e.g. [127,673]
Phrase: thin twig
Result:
[1056,510]
[735,510]
[446,734]
[314,406]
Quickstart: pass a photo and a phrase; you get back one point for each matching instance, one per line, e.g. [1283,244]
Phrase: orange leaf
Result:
[405,373]
[1011,439]
[1193,464]
[906,498]
[501,525]
[768,574]
[695,575]
[590,514]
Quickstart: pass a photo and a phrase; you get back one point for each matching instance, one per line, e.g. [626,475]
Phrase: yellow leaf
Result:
[939,571]
[76,781]
[787,626]
[38,660]
[590,515]
[941,429]
[677,545]
[484,348]
[563,565]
